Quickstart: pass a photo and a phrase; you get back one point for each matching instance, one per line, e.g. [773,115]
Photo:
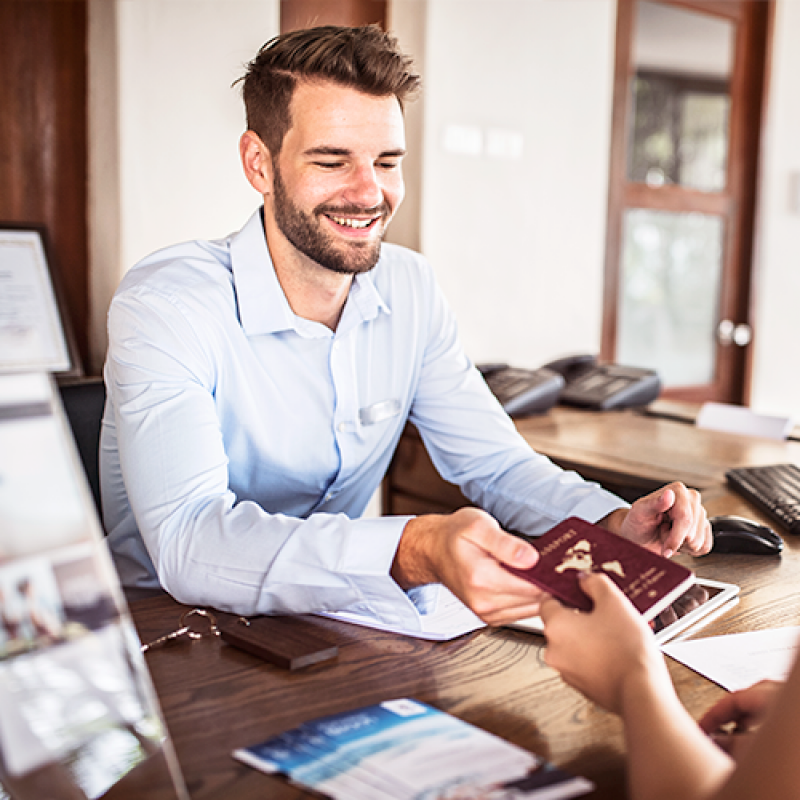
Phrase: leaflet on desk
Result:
[407,750]
[441,615]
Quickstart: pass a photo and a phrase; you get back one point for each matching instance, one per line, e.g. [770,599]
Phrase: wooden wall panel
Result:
[296,14]
[43,136]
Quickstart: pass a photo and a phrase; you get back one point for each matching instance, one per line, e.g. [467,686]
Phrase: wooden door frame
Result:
[748,81]
[296,14]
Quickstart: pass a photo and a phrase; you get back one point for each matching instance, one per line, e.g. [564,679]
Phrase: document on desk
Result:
[442,616]
[738,660]
[405,750]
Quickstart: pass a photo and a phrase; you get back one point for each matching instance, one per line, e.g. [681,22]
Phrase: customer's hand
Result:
[669,519]
[601,651]
[466,552]
[730,721]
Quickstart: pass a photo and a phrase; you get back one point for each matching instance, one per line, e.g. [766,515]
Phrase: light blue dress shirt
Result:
[241,443]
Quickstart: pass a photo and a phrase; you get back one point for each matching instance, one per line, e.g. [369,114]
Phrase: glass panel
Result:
[78,712]
[671,266]
[682,66]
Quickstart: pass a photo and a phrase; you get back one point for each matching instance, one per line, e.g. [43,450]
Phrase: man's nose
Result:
[365,189]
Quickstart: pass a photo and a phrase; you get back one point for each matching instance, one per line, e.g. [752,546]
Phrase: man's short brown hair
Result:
[364,58]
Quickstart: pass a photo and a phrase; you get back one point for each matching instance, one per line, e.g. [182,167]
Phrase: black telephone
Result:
[574,380]
[522,392]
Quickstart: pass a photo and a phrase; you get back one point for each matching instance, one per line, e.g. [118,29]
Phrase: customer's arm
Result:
[769,767]
[610,655]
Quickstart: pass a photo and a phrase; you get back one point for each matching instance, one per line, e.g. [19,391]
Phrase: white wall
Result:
[776,376]
[518,242]
[518,245]
[166,67]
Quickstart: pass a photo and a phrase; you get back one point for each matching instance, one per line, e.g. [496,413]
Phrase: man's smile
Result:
[351,222]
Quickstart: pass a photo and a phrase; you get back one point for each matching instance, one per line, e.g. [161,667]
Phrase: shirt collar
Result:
[263,307]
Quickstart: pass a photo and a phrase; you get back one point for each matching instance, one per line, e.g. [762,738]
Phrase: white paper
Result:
[738,419]
[738,660]
[445,618]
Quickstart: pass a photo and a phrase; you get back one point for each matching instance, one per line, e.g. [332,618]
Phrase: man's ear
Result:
[256,161]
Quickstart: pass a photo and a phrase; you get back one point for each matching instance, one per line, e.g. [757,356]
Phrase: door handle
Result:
[728,333]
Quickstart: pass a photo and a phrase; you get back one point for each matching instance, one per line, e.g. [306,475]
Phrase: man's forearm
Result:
[412,565]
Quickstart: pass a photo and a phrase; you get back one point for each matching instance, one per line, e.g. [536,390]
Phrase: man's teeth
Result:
[352,223]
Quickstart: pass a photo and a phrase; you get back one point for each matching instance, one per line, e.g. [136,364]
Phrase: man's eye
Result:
[388,164]
[329,164]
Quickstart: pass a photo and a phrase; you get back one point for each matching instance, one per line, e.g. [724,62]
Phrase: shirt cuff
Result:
[367,562]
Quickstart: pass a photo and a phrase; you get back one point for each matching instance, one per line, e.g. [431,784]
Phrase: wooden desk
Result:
[216,698]
[627,451]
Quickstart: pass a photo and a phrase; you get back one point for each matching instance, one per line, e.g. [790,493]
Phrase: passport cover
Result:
[650,581]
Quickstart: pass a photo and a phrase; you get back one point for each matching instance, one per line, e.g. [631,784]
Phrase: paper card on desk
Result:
[407,750]
[742,420]
[738,660]
[445,618]
[574,546]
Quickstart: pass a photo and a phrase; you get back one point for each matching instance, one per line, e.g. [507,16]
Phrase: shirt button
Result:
[328,497]
[341,427]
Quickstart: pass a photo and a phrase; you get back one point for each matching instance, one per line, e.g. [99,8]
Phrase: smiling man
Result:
[258,385]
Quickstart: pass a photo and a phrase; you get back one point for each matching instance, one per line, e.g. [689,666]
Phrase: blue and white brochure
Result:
[407,750]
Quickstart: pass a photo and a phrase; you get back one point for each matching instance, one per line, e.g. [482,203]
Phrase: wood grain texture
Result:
[216,697]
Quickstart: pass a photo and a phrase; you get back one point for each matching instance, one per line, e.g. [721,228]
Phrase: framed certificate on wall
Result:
[35,334]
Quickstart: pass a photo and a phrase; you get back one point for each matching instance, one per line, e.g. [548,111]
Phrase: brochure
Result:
[407,750]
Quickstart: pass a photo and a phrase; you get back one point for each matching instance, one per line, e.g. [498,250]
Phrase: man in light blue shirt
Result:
[258,385]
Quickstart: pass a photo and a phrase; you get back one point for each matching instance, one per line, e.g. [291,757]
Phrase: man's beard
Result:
[305,232]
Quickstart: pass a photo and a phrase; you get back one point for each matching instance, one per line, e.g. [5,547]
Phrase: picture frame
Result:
[35,330]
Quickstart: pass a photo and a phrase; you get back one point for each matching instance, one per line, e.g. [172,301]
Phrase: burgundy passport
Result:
[650,581]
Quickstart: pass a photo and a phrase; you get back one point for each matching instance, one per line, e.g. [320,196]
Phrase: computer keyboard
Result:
[774,488]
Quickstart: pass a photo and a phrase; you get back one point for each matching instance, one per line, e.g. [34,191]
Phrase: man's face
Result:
[337,179]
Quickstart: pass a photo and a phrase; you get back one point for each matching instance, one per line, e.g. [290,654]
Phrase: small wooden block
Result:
[288,642]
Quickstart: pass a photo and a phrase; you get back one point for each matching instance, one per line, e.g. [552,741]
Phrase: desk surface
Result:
[216,698]
[634,448]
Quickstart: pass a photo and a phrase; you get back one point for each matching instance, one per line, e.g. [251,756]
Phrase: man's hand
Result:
[739,713]
[665,521]
[466,552]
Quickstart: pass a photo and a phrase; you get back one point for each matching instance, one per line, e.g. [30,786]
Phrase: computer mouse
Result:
[734,534]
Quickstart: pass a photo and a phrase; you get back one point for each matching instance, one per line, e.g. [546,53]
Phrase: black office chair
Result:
[83,402]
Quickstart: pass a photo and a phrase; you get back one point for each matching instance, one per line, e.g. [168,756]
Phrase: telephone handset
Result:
[574,380]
